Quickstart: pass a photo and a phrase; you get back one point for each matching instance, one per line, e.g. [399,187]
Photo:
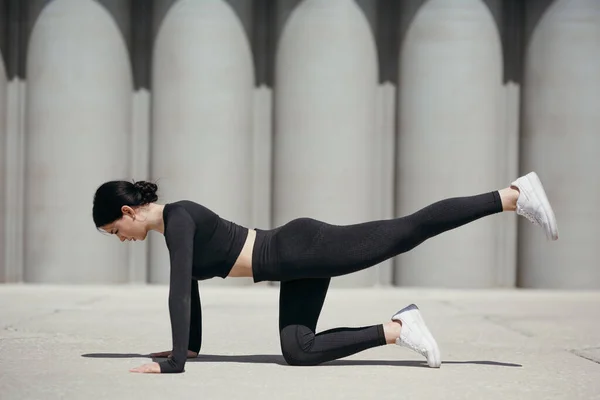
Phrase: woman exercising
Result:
[303,254]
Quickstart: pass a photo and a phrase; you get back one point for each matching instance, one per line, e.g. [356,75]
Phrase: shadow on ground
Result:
[277,359]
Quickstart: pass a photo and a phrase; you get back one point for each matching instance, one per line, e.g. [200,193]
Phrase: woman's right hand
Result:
[190,354]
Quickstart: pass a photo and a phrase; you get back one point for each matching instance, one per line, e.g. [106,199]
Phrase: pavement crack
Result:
[581,353]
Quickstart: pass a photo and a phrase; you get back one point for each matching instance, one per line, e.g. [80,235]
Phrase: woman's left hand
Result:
[151,368]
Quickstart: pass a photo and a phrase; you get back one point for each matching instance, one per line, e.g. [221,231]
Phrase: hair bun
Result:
[147,191]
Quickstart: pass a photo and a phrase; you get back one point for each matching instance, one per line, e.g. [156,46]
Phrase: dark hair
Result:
[113,195]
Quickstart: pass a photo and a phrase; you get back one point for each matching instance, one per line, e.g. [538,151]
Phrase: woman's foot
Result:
[415,335]
[532,203]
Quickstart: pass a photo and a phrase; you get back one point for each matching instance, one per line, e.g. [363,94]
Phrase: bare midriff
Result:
[242,268]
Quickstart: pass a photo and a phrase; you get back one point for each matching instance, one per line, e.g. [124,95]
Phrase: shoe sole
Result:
[435,350]
[540,193]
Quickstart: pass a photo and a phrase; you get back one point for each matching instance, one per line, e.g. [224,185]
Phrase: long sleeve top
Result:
[201,246]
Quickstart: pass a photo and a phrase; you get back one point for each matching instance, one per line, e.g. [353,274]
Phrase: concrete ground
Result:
[78,342]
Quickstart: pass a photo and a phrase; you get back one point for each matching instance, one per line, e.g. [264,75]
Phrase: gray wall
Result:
[264,111]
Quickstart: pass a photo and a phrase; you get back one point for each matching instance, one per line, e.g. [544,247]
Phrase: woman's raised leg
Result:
[308,248]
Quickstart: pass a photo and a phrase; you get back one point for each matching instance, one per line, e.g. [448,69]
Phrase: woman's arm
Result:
[195,320]
[180,241]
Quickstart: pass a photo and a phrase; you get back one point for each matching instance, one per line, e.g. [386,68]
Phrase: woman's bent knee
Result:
[296,342]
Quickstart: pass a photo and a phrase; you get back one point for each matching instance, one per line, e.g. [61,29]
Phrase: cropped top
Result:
[201,245]
[217,242]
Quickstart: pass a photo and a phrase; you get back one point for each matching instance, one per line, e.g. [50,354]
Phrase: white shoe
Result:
[415,335]
[533,204]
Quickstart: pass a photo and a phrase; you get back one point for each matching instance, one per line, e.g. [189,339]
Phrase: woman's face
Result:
[129,227]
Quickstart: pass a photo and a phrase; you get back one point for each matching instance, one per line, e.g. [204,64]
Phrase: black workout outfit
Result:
[303,255]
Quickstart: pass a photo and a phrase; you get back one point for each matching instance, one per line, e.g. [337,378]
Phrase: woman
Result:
[303,255]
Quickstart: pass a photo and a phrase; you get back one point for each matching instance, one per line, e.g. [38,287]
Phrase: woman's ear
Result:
[126,210]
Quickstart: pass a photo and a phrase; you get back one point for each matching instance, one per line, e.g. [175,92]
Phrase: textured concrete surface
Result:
[78,342]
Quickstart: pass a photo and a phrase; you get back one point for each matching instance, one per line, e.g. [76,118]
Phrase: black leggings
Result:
[305,253]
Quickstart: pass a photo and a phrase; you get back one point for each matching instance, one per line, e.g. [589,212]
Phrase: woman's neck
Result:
[155,218]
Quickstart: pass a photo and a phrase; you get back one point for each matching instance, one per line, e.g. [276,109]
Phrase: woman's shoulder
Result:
[178,218]
[196,211]
[184,215]
[188,205]
[181,204]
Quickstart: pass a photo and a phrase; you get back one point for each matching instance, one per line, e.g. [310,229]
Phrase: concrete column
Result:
[3,171]
[25,13]
[78,121]
[202,116]
[325,116]
[560,141]
[448,138]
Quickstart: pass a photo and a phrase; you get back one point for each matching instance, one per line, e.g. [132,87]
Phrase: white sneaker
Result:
[415,335]
[533,204]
